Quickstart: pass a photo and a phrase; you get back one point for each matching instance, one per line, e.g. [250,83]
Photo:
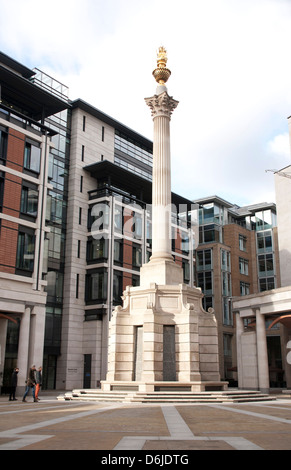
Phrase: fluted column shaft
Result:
[162,106]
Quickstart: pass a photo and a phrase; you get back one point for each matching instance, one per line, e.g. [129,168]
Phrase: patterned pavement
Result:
[120,428]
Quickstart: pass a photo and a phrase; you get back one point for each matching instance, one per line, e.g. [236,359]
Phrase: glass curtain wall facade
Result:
[56,214]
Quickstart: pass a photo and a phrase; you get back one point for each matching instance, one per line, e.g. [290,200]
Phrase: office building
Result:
[33,109]
[237,255]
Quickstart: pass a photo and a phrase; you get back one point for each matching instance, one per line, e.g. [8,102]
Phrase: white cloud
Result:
[279,147]
[230,73]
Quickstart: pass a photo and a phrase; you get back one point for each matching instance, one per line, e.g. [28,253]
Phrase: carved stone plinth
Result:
[150,310]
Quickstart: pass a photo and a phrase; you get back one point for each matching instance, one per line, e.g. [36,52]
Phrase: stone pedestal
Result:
[143,333]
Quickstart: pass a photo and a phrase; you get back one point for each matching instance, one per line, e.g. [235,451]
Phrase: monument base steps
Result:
[166,396]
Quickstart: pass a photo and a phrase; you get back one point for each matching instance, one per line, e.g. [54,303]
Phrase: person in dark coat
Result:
[30,384]
[38,377]
[14,378]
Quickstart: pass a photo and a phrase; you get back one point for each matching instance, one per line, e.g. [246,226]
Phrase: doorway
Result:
[87,370]
[276,371]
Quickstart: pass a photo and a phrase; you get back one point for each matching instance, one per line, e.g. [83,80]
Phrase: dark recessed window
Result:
[96,286]
[2,180]
[3,145]
[25,251]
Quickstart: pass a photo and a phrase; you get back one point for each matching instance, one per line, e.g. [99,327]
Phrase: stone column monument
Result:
[161,338]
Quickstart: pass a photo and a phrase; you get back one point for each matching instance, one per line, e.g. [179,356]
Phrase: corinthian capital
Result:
[161,105]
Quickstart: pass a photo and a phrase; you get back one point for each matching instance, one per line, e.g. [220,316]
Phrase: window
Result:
[244,288]
[25,251]
[186,271]
[205,282]
[264,241]
[29,200]
[32,154]
[117,287]
[2,179]
[118,251]
[103,132]
[244,266]
[137,225]
[118,219]
[136,256]
[57,172]
[266,265]
[54,287]
[210,233]
[267,284]
[225,260]
[98,217]
[3,145]
[227,312]
[53,326]
[80,215]
[77,285]
[226,284]
[242,243]
[97,250]
[135,280]
[79,249]
[83,153]
[84,123]
[204,260]
[96,286]
[227,345]
[55,243]
[81,184]
[56,208]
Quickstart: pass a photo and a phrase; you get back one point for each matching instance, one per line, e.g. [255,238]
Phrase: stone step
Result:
[167,397]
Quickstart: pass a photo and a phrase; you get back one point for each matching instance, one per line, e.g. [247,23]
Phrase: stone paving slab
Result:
[55,425]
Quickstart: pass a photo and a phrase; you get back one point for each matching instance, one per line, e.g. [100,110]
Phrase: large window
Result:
[264,241]
[210,233]
[54,286]
[267,284]
[96,286]
[97,250]
[25,251]
[98,217]
[32,154]
[132,155]
[204,260]
[266,265]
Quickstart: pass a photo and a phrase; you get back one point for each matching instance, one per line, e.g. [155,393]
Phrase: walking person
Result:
[14,379]
[38,378]
[30,383]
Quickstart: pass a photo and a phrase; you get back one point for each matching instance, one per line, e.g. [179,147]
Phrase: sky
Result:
[231,73]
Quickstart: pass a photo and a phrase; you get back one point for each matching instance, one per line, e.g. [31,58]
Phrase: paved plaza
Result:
[51,424]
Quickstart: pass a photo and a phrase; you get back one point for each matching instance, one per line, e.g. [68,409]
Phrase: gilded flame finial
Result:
[161,73]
